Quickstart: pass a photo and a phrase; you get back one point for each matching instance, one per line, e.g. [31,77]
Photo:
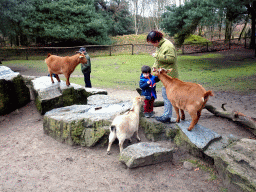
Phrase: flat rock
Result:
[145,153]
[219,144]
[7,74]
[82,125]
[50,95]
[200,135]
[13,91]
[236,165]
[102,99]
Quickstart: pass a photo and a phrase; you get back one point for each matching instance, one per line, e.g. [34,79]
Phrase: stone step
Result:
[145,153]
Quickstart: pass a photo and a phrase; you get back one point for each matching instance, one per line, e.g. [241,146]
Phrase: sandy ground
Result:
[33,161]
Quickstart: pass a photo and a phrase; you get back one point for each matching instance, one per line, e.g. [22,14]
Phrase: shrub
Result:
[196,39]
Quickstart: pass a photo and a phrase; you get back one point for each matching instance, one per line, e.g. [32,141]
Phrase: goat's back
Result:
[181,94]
[55,59]
[126,124]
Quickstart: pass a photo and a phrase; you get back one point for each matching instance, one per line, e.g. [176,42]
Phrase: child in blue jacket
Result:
[148,89]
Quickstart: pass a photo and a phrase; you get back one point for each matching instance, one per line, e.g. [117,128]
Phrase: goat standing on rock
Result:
[187,96]
[64,65]
[124,126]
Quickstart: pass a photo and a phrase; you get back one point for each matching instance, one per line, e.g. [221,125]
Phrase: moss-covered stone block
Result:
[82,124]
[49,96]
[156,131]
[236,165]
[13,94]
[181,140]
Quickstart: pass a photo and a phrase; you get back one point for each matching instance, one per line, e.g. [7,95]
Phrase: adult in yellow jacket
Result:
[165,57]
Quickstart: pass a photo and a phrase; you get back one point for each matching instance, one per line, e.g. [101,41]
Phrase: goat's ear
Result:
[169,70]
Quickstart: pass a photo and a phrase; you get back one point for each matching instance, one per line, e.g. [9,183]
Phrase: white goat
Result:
[124,126]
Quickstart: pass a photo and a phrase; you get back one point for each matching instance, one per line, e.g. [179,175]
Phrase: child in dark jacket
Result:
[148,89]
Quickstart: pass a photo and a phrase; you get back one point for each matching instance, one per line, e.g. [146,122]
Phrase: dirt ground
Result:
[33,161]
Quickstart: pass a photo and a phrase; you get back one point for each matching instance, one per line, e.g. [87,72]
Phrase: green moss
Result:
[91,136]
[151,127]
[21,91]
[38,104]
[76,128]
[171,133]
[68,96]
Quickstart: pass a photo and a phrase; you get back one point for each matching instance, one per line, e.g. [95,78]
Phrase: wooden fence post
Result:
[207,46]
[132,48]
[27,54]
[182,49]
[110,50]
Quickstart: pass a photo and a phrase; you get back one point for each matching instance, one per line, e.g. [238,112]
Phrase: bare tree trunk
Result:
[228,30]
[245,25]
[135,3]
[253,16]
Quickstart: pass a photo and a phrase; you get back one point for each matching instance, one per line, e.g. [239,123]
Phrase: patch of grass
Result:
[215,75]
[123,71]
[118,72]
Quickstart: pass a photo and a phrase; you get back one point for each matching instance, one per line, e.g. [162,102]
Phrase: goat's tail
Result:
[48,55]
[113,128]
[207,94]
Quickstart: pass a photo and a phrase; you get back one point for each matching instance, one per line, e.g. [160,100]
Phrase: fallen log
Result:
[235,116]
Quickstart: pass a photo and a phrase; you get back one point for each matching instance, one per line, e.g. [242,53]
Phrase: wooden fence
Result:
[109,50]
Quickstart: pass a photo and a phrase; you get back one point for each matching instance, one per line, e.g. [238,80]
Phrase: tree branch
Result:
[235,116]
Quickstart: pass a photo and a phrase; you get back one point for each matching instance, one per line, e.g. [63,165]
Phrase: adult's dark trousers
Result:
[87,79]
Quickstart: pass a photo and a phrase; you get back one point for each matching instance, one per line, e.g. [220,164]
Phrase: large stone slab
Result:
[102,99]
[13,91]
[83,125]
[144,153]
[236,164]
[50,95]
[200,135]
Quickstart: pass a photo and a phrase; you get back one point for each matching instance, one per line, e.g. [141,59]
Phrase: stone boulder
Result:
[83,125]
[157,131]
[144,153]
[197,140]
[236,165]
[50,95]
[13,91]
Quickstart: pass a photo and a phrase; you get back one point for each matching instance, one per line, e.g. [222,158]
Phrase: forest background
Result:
[94,22]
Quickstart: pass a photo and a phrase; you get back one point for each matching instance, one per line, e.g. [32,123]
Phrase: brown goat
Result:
[64,65]
[187,96]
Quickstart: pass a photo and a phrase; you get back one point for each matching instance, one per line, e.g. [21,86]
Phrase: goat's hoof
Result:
[108,152]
